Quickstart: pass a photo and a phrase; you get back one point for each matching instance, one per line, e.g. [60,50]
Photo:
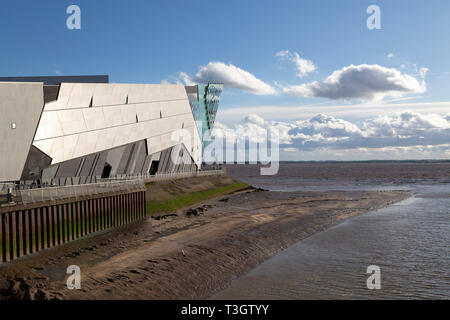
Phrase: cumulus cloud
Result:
[183,77]
[363,82]
[412,127]
[230,76]
[423,72]
[302,65]
[402,131]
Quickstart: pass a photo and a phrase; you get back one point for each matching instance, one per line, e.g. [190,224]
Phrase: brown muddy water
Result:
[408,241]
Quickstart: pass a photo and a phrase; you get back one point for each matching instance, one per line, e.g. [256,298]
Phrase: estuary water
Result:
[409,242]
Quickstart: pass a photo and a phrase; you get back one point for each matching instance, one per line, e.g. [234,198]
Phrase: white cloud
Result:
[183,77]
[402,134]
[363,82]
[303,66]
[411,126]
[282,54]
[390,55]
[360,111]
[423,72]
[230,76]
[254,118]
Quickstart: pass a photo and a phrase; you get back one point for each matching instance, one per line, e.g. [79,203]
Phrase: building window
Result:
[106,171]
[160,115]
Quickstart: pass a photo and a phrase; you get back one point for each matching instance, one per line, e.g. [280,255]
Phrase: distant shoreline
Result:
[390,172]
[344,161]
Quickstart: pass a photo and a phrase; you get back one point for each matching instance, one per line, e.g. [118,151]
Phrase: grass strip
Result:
[186,200]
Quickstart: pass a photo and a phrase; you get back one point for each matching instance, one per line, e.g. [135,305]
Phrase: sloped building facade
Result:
[75,132]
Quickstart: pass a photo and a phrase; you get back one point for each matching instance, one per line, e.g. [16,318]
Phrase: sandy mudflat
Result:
[186,257]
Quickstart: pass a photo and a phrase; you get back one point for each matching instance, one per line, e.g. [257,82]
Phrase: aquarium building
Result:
[85,128]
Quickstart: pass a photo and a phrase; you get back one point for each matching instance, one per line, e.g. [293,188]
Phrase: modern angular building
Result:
[64,130]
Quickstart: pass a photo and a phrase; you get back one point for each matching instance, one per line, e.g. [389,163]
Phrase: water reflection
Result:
[409,241]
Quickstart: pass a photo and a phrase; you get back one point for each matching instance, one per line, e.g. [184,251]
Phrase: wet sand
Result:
[186,256]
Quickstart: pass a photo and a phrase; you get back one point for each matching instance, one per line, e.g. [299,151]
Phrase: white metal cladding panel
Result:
[94,118]
[83,89]
[109,100]
[154,144]
[172,108]
[153,110]
[109,94]
[72,146]
[72,121]
[65,90]
[53,105]
[144,111]
[49,126]
[63,148]
[79,101]
[79,95]
[20,104]
[44,145]
[113,116]
[86,144]
[104,89]
[72,129]
[61,103]
[156,109]
[124,136]
[128,113]
[106,139]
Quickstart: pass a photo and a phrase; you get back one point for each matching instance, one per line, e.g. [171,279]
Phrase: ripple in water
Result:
[409,241]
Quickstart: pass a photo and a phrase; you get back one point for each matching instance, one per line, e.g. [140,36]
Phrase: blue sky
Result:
[154,41]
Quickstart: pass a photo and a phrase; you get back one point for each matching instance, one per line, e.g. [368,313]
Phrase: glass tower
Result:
[204,101]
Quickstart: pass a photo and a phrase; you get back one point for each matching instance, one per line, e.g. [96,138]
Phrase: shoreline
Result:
[187,256]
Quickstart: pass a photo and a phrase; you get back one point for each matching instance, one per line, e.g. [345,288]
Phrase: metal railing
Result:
[114,184]
[5,195]
[74,191]
[165,176]
[5,186]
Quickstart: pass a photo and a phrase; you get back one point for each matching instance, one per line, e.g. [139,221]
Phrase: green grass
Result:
[186,200]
